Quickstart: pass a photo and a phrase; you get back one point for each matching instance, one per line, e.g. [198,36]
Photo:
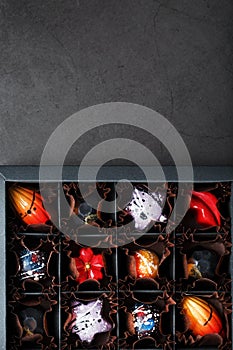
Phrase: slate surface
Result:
[58,57]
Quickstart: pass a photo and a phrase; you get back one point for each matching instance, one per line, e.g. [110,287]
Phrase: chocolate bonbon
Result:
[145,319]
[28,204]
[146,208]
[147,263]
[87,265]
[201,317]
[88,320]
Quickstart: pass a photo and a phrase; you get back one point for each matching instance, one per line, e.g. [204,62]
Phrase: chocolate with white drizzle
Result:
[88,320]
[146,207]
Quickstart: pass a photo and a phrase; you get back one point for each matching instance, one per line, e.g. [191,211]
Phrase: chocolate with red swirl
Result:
[145,320]
[85,267]
[34,263]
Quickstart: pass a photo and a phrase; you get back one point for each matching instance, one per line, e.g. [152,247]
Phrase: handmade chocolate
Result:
[206,262]
[203,204]
[29,325]
[87,266]
[32,322]
[134,274]
[201,316]
[145,319]
[28,205]
[146,207]
[32,265]
[147,263]
[88,320]
[193,269]
[86,213]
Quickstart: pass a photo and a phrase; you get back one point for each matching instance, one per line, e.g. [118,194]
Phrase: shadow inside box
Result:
[89,203]
[91,236]
[32,321]
[204,262]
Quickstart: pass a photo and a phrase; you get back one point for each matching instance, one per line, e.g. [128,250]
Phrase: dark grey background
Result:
[58,57]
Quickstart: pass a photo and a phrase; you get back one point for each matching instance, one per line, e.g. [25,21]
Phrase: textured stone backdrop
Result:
[173,56]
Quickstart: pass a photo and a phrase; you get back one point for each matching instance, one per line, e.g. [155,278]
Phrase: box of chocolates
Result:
[108,265]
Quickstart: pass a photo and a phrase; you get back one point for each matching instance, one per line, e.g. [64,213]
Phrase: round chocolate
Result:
[147,263]
[30,324]
[207,262]
[84,209]
[193,269]
[145,319]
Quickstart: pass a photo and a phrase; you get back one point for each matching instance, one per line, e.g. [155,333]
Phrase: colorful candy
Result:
[28,205]
[29,325]
[86,213]
[193,269]
[87,266]
[147,263]
[31,320]
[204,206]
[32,265]
[88,320]
[201,317]
[145,320]
[146,208]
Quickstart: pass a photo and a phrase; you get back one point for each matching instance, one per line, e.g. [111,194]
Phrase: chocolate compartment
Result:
[145,320]
[87,202]
[211,208]
[159,247]
[120,288]
[28,325]
[135,204]
[101,271]
[212,306]
[35,263]
[38,223]
[204,262]
[95,328]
